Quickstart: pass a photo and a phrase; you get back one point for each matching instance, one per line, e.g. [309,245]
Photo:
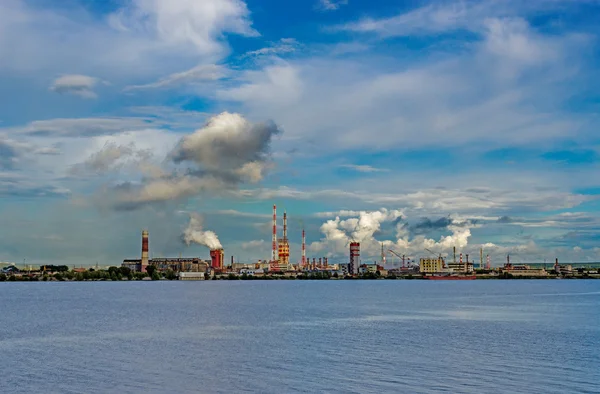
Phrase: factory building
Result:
[431,266]
[460,266]
[216,257]
[185,264]
[354,258]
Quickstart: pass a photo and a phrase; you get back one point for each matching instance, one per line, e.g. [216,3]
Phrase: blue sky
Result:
[419,124]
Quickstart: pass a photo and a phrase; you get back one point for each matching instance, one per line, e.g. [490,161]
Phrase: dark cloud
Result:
[228,151]
[505,219]
[426,225]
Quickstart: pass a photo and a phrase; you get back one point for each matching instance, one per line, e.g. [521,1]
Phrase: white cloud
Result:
[521,79]
[110,158]
[363,168]
[142,39]
[79,85]
[185,23]
[233,212]
[284,45]
[198,74]
[435,201]
[80,127]
[276,83]
[330,5]
[449,16]
[259,244]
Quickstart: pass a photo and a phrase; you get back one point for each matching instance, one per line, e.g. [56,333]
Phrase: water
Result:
[301,336]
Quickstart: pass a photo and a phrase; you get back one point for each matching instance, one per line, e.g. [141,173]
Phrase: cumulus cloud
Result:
[79,85]
[200,73]
[195,233]
[229,150]
[228,142]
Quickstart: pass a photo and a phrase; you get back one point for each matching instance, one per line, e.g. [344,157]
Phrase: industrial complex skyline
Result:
[417,127]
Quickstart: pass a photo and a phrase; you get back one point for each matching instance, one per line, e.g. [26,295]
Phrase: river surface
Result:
[301,336]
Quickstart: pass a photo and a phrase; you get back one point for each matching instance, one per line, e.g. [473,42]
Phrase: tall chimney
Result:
[145,261]
[480,258]
[274,251]
[454,251]
[284,226]
[303,249]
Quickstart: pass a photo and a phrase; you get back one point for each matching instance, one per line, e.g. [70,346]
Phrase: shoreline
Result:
[104,276]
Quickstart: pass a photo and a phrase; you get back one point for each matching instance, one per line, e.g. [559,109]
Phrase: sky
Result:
[416,125]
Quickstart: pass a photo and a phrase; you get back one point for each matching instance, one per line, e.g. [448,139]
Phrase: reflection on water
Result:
[308,336]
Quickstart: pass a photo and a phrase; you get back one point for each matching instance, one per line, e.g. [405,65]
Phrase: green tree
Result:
[151,270]
[170,275]
[155,275]
[2,277]
[113,269]
[125,271]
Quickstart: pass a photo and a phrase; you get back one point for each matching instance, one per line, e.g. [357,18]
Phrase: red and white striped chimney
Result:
[274,251]
[303,249]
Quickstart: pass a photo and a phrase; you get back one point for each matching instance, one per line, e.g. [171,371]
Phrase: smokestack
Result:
[284,226]
[454,250]
[320,262]
[480,258]
[461,258]
[303,249]
[274,251]
[145,261]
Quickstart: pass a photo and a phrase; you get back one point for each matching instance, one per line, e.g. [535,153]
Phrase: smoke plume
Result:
[367,225]
[195,233]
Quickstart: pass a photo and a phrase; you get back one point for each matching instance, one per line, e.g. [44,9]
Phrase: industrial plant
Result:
[280,263]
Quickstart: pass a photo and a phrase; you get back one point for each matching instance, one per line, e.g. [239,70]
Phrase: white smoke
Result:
[339,233]
[195,233]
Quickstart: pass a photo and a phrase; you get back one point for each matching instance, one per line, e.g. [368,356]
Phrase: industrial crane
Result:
[400,257]
[439,257]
